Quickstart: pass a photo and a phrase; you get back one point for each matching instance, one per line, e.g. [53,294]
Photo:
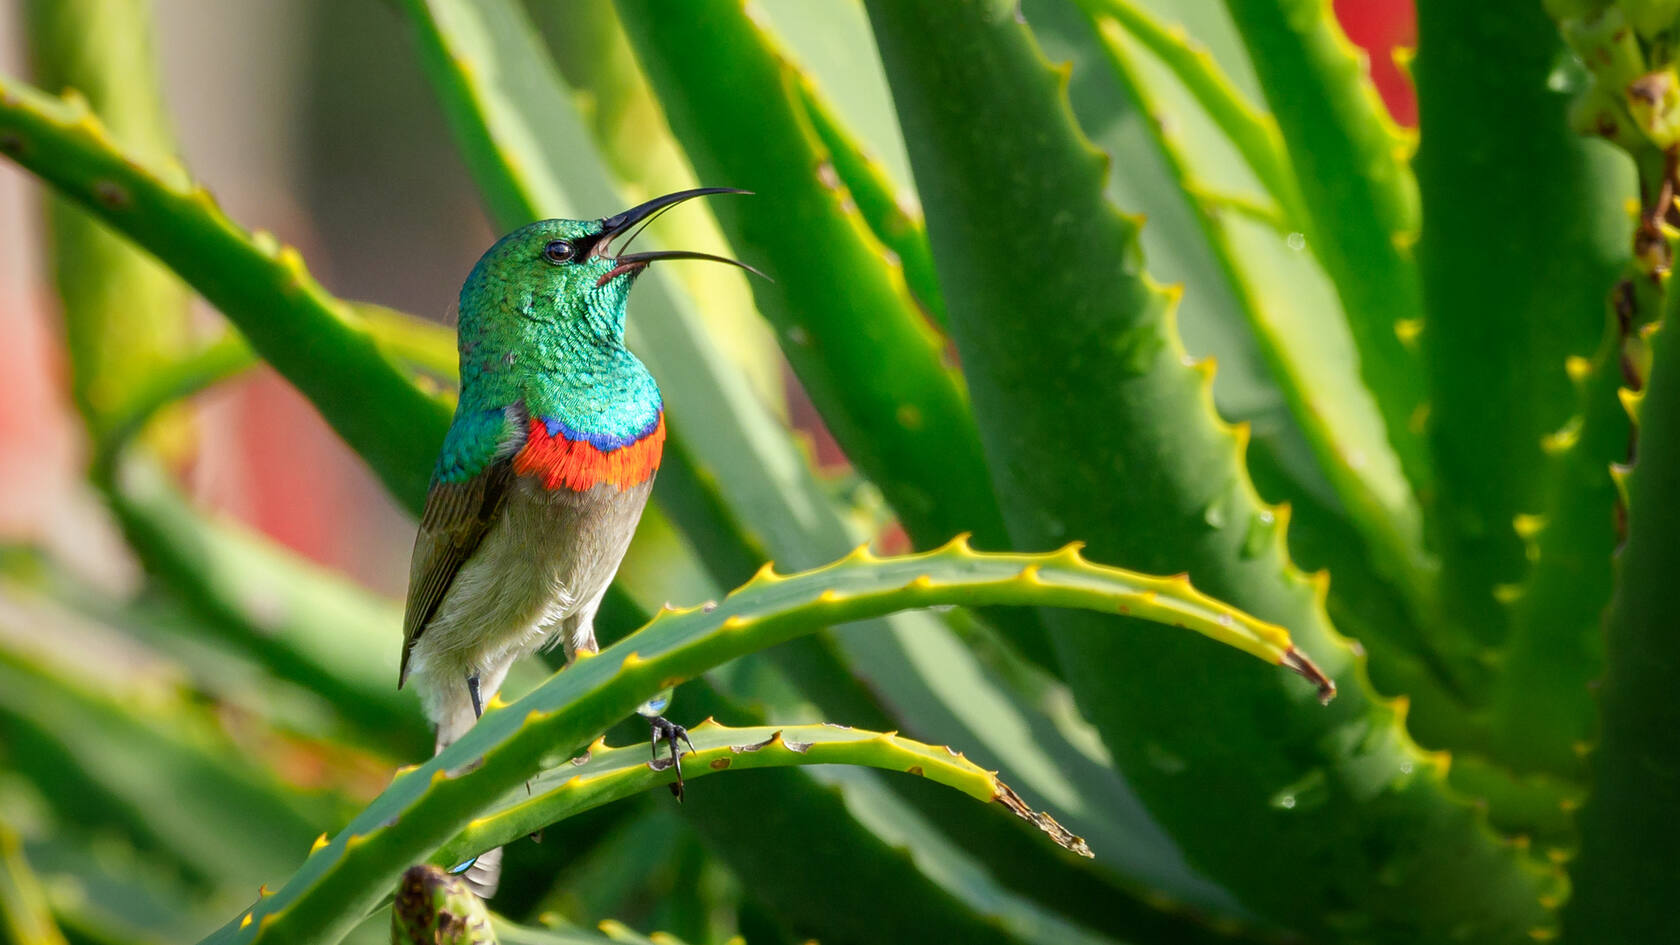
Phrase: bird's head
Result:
[572,274]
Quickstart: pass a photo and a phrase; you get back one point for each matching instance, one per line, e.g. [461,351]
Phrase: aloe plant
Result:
[1435,467]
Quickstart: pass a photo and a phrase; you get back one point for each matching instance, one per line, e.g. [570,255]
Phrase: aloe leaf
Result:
[304,624]
[844,317]
[603,774]
[1542,715]
[892,216]
[24,916]
[1350,164]
[1628,828]
[611,930]
[1272,809]
[165,776]
[1511,187]
[866,355]
[125,314]
[1252,131]
[425,807]
[315,340]
[104,892]
[1310,360]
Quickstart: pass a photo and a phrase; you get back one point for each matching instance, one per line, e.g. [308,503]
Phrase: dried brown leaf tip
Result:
[1300,663]
[1043,821]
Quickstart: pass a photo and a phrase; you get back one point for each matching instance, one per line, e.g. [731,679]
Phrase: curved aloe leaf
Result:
[304,624]
[1628,828]
[432,907]
[124,314]
[318,342]
[1252,131]
[167,777]
[892,217]
[1350,163]
[845,318]
[867,356]
[995,868]
[1542,713]
[425,807]
[1318,382]
[1510,187]
[603,774]
[24,917]
[1150,476]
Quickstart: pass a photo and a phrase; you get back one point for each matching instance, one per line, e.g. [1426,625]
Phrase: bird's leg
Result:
[472,690]
[670,732]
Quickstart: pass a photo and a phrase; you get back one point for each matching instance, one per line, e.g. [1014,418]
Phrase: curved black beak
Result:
[620,223]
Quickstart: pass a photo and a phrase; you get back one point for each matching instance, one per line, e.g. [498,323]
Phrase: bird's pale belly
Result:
[536,579]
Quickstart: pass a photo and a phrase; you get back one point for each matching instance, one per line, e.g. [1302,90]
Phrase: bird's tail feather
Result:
[484,873]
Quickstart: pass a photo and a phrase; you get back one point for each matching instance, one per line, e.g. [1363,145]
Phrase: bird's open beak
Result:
[620,224]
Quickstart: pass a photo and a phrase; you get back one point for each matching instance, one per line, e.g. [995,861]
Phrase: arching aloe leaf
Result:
[1543,714]
[844,316]
[1252,131]
[125,315]
[1311,365]
[603,774]
[893,217]
[862,348]
[1095,427]
[318,342]
[427,806]
[1628,827]
[1508,187]
[1350,164]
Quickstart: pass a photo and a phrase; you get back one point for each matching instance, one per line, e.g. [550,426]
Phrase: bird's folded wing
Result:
[457,516]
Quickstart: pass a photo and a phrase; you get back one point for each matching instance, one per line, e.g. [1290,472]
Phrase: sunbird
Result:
[544,472]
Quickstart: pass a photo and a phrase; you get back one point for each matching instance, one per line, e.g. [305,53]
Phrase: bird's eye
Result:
[557,251]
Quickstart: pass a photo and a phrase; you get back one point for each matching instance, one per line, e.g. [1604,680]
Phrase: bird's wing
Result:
[457,516]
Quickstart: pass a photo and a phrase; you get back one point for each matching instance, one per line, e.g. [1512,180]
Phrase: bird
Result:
[544,472]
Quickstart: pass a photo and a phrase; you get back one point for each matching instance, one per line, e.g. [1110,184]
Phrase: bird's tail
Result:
[483,873]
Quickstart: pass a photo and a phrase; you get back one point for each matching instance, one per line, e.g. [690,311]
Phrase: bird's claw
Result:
[670,732]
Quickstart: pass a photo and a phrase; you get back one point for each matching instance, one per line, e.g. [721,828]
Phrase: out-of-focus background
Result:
[371,189]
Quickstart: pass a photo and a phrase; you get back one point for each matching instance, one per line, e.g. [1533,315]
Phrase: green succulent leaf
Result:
[603,774]
[166,777]
[427,806]
[1308,359]
[125,315]
[1095,428]
[846,320]
[317,341]
[1504,191]
[1350,163]
[892,216]
[1252,131]
[1628,828]
[843,312]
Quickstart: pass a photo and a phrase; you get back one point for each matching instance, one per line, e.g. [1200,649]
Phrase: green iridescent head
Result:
[542,329]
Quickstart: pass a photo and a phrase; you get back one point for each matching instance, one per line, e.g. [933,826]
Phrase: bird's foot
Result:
[477,699]
[670,732]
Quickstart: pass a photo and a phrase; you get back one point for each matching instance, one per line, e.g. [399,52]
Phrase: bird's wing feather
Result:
[457,516]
